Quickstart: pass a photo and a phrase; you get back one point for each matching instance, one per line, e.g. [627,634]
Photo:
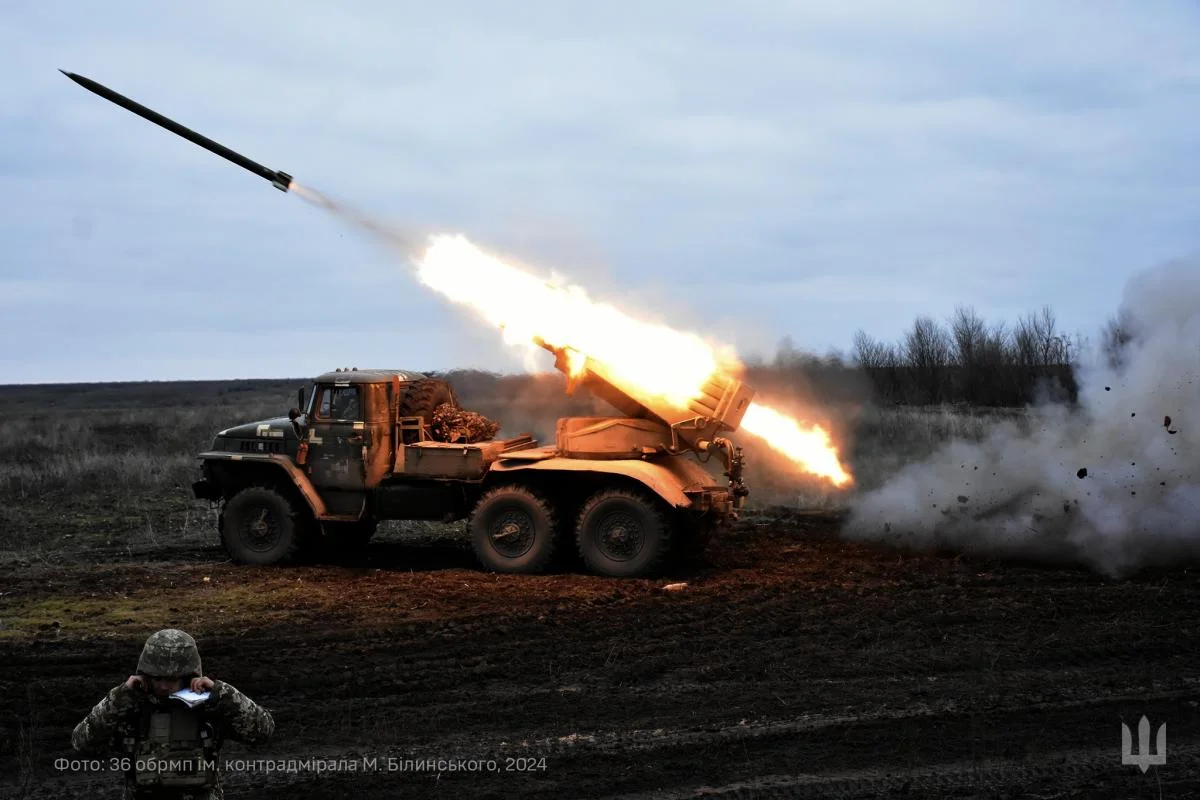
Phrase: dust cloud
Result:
[1113,483]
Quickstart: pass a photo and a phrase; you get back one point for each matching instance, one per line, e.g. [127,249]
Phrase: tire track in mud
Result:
[1086,769]
[385,665]
[594,758]
[824,673]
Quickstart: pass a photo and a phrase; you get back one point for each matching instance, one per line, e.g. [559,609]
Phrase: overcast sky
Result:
[748,170]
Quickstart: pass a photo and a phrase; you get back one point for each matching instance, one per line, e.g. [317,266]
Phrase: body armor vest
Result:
[176,747]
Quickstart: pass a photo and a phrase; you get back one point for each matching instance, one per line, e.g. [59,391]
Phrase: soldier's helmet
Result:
[170,653]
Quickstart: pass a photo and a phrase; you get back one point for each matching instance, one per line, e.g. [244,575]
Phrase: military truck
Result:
[360,449]
[626,491]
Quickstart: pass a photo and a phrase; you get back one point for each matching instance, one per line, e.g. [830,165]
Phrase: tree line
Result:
[962,360]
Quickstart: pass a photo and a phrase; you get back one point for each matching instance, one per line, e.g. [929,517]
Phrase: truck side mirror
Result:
[300,398]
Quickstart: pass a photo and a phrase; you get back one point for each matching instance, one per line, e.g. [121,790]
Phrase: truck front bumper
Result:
[719,503]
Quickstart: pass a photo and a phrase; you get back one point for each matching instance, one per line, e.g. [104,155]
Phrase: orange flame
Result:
[575,362]
[812,449]
[670,364]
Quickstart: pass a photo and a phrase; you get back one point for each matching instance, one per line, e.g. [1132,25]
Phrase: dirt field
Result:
[791,664]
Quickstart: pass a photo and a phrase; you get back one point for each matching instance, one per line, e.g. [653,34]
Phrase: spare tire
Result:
[421,398]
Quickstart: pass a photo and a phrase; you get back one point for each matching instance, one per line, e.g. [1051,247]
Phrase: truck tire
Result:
[622,534]
[513,530]
[261,526]
[421,398]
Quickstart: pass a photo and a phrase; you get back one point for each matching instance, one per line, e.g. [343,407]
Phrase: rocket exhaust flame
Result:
[812,449]
[660,361]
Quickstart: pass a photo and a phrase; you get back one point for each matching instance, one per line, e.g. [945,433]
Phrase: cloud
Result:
[830,168]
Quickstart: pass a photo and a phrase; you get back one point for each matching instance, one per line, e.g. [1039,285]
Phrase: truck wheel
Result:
[622,534]
[421,399]
[513,530]
[260,526]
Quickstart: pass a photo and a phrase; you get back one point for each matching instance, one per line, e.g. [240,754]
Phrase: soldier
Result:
[169,746]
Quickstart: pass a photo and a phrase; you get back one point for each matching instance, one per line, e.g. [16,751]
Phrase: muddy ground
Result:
[791,664]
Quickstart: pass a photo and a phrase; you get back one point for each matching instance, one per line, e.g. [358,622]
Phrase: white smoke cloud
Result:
[1019,491]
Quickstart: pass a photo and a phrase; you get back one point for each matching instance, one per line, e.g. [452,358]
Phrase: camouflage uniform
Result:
[118,722]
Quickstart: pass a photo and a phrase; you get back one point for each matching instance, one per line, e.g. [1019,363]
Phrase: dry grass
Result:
[112,464]
[50,449]
[118,459]
[198,602]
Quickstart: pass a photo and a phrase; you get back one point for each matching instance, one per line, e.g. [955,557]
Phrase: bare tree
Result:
[1025,341]
[926,344]
[996,348]
[973,361]
[927,350]
[1053,344]
[968,331]
[869,352]
[1039,341]
[1116,336]
[1043,355]
[881,363]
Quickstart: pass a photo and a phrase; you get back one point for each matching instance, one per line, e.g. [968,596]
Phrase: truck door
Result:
[337,438]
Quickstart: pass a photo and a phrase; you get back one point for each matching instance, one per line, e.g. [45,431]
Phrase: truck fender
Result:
[669,478]
[284,464]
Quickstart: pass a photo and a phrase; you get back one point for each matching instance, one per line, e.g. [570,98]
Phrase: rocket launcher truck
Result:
[626,490]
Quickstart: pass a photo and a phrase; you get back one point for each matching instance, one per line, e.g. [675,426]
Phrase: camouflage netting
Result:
[452,424]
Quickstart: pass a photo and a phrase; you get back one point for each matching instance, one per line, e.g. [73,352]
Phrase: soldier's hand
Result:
[136,682]
[201,685]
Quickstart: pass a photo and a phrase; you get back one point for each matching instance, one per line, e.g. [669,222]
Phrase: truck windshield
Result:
[339,402]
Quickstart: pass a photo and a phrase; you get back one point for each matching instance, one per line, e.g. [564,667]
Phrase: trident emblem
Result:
[1143,758]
